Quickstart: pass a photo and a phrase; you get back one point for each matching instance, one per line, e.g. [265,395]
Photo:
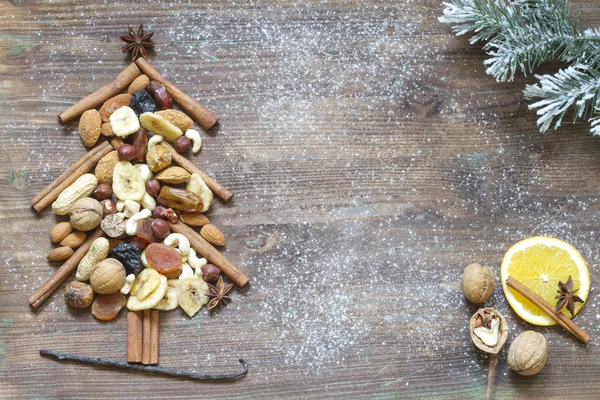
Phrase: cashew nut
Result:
[194,261]
[186,271]
[130,208]
[194,136]
[145,260]
[145,171]
[154,140]
[132,223]
[128,284]
[120,205]
[148,202]
[178,240]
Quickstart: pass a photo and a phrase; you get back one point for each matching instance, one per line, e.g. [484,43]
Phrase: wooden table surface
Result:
[372,159]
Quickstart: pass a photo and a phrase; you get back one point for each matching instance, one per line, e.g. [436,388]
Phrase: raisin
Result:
[142,102]
[165,259]
[144,231]
[130,256]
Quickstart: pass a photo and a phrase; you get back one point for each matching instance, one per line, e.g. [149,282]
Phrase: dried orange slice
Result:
[539,263]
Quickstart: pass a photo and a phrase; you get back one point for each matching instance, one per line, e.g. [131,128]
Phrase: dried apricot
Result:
[107,306]
[113,104]
[165,259]
[144,231]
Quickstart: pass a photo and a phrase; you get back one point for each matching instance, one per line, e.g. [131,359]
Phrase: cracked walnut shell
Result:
[488,330]
[528,353]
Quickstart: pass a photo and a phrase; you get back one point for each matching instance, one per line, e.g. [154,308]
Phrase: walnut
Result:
[528,353]
[478,283]
[158,158]
[108,276]
[86,214]
[488,330]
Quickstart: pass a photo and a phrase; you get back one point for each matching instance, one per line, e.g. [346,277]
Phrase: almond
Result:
[74,240]
[177,118]
[139,83]
[212,234]
[60,231]
[195,219]
[105,167]
[90,126]
[106,130]
[60,254]
[173,175]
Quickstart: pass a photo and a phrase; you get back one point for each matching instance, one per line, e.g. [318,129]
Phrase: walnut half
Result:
[488,330]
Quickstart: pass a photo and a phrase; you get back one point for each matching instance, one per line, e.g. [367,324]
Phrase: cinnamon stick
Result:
[59,276]
[154,337]
[96,99]
[73,173]
[546,307]
[134,336]
[147,333]
[186,164]
[213,255]
[195,110]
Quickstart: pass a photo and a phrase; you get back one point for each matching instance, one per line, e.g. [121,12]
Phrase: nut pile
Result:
[133,195]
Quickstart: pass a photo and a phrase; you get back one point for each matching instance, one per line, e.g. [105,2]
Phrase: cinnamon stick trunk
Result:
[134,336]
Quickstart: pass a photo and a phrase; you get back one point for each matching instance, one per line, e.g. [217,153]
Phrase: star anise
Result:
[218,294]
[567,297]
[138,43]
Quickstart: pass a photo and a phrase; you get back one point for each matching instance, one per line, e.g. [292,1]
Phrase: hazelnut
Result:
[108,276]
[160,228]
[166,213]
[488,330]
[108,207]
[182,144]
[210,273]
[79,295]
[86,214]
[528,353]
[126,152]
[153,187]
[102,192]
[478,283]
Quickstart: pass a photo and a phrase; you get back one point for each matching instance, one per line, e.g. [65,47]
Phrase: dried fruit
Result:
[141,102]
[113,225]
[74,239]
[86,214]
[137,242]
[170,300]
[106,130]
[96,253]
[177,118]
[173,175]
[528,353]
[79,189]
[160,228]
[145,232]
[130,256]
[218,294]
[108,207]
[139,83]
[60,253]
[153,187]
[113,104]
[213,235]
[182,144]
[165,259]
[145,283]
[179,199]
[127,182]
[159,125]
[192,294]
[124,122]
[135,304]
[102,192]
[106,307]
[108,276]
[78,294]
[139,140]
[210,273]
[477,283]
[165,213]
[195,219]
[126,152]
[488,330]
[160,95]
[197,185]
[158,158]
[60,231]
[105,167]
[90,126]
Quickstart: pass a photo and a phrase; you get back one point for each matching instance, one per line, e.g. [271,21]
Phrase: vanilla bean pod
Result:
[145,368]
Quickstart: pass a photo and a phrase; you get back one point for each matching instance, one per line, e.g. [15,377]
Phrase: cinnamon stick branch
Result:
[96,99]
[213,255]
[58,277]
[134,336]
[218,189]
[147,332]
[195,110]
[546,307]
[82,166]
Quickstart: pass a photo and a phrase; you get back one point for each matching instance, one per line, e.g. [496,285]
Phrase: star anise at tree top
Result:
[218,293]
[567,297]
[138,43]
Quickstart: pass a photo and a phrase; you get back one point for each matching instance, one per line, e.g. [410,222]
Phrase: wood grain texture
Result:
[372,159]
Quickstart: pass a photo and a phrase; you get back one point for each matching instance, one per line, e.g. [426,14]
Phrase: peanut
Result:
[98,251]
[79,189]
